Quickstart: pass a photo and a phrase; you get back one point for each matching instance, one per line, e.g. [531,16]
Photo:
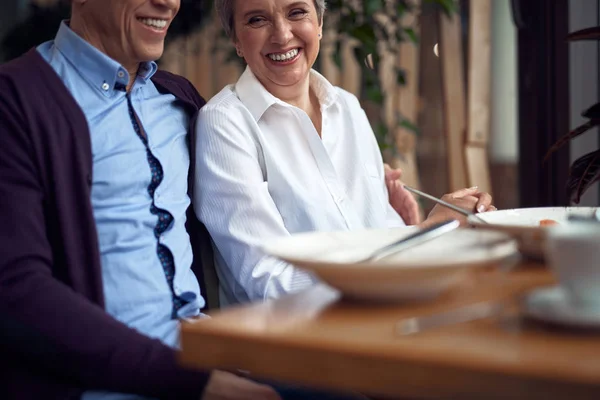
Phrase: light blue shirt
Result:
[135,287]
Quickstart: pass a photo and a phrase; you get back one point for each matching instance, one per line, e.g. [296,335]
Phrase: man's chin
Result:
[149,55]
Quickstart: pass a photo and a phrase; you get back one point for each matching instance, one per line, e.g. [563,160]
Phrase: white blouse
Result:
[263,171]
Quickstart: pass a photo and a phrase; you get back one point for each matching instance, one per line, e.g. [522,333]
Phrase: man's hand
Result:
[401,199]
[470,199]
[226,386]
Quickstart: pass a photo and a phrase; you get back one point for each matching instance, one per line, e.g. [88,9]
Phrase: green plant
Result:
[377,26]
[585,170]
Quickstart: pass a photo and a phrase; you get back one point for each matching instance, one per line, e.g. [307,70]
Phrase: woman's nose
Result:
[282,32]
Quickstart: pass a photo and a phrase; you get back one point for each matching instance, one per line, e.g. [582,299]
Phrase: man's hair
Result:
[225,10]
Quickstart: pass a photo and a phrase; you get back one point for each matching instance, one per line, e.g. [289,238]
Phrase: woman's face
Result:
[279,39]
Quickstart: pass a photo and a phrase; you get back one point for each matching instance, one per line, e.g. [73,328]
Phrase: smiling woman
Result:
[283,151]
[280,42]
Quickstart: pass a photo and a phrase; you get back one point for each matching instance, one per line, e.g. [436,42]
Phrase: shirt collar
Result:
[99,70]
[258,100]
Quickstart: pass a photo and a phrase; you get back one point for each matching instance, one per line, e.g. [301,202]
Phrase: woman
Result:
[283,151]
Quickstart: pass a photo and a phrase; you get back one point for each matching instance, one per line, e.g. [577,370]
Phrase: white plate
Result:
[524,224]
[420,272]
[551,304]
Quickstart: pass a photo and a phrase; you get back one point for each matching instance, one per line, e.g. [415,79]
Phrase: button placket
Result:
[165,219]
[327,169]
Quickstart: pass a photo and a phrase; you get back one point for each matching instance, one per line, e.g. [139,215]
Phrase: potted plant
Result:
[585,170]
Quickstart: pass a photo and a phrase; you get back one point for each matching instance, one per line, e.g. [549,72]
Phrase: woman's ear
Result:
[239,51]
[320,28]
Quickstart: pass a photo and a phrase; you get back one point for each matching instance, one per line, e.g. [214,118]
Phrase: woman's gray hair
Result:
[225,10]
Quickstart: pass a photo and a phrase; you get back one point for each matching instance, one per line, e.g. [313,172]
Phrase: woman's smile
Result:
[286,57]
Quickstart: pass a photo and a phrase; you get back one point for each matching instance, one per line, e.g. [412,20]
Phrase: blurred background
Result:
[459,93]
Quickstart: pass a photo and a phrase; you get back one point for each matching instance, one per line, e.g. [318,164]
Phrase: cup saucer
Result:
[550,304]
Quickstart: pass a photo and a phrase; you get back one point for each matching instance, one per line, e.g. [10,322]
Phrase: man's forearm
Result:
[61,332]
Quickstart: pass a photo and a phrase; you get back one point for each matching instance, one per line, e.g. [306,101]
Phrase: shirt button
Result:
[120,74]
[105,86]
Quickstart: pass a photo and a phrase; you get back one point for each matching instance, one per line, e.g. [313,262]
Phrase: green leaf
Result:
[585,34]
[580,130]
[412,35]
[405,123]
[401,8]
[337,54]
[374,94]
[372,6]
[584,172]
[593,112]
[449,7]
[360,55]
[401,77]
[381,134]
[365,35]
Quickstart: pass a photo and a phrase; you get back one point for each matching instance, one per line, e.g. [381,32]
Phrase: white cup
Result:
[573,252]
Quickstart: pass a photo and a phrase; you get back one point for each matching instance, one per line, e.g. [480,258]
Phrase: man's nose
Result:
[170,4]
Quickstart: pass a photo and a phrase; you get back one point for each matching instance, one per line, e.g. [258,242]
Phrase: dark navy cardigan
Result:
[56,340]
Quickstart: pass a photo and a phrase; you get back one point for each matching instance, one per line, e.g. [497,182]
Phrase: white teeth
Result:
[155,23]
[285,56]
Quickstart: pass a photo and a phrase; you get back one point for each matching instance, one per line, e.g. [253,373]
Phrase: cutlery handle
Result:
[458,315]
[417,238]
[439,201]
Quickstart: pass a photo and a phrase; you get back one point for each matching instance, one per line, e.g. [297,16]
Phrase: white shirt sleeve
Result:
[231,198]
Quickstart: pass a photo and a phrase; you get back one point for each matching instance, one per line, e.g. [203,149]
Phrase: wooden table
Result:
[316,338]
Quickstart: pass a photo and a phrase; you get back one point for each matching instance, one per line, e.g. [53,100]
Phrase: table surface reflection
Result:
[317,338]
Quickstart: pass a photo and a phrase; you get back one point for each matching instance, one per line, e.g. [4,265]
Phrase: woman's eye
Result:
[255,20]
[298,13]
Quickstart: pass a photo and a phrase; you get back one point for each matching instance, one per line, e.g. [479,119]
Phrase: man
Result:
[96,257]
[95,225]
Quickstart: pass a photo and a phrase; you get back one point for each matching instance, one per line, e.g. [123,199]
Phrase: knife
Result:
[422,236]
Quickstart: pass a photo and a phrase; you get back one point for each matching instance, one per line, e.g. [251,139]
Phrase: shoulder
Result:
[24,81]
[23,69]
[26,84]
[178,86]
[225,105]
[226,118]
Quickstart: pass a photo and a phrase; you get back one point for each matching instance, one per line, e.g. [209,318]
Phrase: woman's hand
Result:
[470,199]
[401,199]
